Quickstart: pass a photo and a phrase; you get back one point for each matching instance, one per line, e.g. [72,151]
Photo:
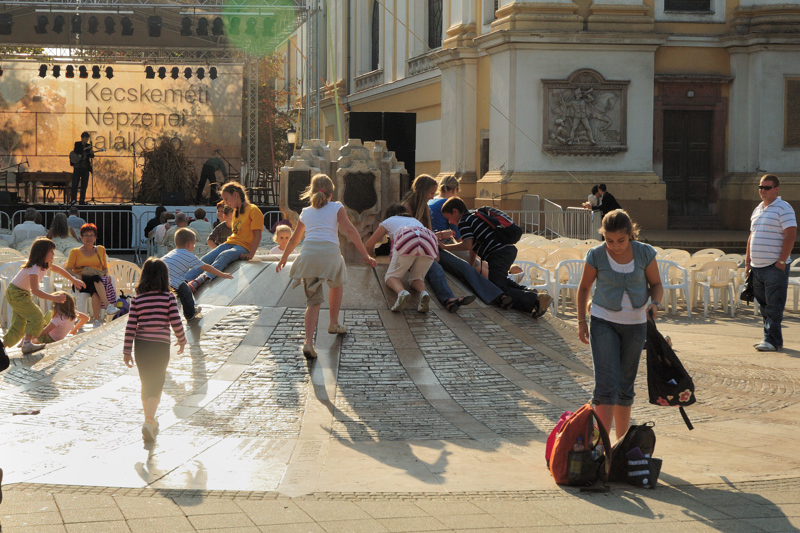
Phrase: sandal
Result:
[309,352]
[505,301]
[453,304]
[336,329]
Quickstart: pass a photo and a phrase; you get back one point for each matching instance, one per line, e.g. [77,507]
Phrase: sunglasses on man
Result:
[766,187]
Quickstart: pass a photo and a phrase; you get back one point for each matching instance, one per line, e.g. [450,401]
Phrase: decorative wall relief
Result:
[585,115]
[358,181]
[295,177]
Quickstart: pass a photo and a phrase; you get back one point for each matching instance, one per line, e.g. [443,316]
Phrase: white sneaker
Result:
[401,301]
[148,431]
[96,324]
[112,309]
[29,347]
[424,302]
[762,347]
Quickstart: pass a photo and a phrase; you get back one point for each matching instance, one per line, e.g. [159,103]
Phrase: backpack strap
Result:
[606,453]
[485,218]
[686,418]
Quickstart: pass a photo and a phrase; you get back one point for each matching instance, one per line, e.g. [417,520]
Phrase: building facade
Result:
[678,106]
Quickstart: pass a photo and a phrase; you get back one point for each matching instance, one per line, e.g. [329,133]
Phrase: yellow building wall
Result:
[691,60]
[483,108]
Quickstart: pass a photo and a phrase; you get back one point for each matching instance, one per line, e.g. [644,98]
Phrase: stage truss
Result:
[199,50]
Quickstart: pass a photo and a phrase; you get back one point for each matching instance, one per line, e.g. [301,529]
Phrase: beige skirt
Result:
[320,261]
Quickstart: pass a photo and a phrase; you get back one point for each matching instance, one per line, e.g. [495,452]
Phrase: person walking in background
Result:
[773,229]
[153,310]
[209,173]
[627,274]
[82,167]
[320,260]
[27,319]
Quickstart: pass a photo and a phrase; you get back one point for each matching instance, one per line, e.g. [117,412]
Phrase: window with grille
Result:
[687,5]
[434,24]
[376,35]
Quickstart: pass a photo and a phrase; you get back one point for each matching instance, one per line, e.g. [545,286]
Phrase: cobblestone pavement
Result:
[409,422]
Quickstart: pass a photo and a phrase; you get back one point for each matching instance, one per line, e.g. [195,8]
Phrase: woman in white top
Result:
[627,275]
[320,259]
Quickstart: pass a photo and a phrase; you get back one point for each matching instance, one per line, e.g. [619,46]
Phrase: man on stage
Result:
[82,168]
[209,173]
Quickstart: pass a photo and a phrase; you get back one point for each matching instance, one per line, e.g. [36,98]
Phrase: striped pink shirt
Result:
[149,318]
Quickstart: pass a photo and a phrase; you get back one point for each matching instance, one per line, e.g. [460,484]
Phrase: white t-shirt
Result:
[394,224]
[23,277]
[61,327]
[321,224]
[276,251]
[767,226]
[628,314]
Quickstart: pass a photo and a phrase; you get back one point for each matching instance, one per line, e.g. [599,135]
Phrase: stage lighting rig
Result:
[83,72]
[56,71]
[154,26]
[93,24]
[200,73]
[41,25]
[76,22]
[42,71]
[5,23]
[149,73]
[212,73]
[233,27]
[175,72]
[202,26]
[70,72]
[186,27]
[127,26]
[58,24]
[251,27]
[217,26]
[187,72]
[162,72]
[109,72]
[95,72]
[111,25]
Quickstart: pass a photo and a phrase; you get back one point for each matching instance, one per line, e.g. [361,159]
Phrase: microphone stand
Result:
[230,166]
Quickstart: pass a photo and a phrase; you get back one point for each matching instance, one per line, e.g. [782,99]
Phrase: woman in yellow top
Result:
[89,263]
[246,228]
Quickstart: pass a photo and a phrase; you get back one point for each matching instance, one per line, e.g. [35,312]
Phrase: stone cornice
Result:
[500,40]
[538,16]
[771,19]
[692,78]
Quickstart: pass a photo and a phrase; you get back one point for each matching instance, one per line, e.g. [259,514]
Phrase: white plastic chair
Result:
[670,272]
[719,278]
[736,258]
[7,273]
[573,268]
[794,282]
[716,252]
[535,277]
[126,275]
[536,255]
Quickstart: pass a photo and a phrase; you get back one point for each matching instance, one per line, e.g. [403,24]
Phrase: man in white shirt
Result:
[28,230]
[773,229]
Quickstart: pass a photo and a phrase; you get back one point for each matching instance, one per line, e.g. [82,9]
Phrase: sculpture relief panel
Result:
[585,115]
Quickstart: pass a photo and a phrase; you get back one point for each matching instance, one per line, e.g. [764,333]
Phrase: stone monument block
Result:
[358,182]
[295,177]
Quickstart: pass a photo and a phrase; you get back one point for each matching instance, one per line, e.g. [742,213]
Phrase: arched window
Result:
[434,24]
[375,40]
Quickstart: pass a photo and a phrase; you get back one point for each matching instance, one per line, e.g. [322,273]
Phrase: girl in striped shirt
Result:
[152,311]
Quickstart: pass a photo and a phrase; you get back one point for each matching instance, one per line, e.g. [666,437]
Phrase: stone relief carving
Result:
[585,115]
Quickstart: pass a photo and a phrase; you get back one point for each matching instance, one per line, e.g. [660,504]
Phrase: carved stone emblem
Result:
[585,115]
[359,192]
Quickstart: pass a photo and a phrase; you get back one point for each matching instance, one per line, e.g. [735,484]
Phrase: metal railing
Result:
[115,227]
[573,223]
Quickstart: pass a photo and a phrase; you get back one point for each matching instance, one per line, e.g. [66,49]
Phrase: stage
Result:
[119,225]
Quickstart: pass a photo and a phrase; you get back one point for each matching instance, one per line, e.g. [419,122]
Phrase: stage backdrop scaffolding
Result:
[160,37]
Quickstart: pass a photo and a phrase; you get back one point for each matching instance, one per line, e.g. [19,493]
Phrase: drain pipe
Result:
[347,68]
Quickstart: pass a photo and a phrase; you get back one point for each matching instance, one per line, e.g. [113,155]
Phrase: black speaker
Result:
[367,126]
[173,198]
[400,131]
[5,197]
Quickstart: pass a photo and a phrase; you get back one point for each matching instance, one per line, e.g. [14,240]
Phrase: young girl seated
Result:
[414,248]
[63,319]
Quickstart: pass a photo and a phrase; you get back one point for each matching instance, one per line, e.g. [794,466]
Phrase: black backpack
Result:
[642,437]
[668,383]
[504,228]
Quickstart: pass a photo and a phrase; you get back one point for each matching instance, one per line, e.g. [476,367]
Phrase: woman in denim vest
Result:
[627,275]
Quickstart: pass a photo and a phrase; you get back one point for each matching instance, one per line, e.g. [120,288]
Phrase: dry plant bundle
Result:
[166,169]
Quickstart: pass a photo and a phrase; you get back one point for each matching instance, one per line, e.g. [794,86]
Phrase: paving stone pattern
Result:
[482,392]
[376,399]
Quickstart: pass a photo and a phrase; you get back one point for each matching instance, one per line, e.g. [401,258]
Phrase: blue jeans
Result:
[220,257]
[499,262]
[482,287]
[435,277]
[187,300]
[769,287]
[616,349]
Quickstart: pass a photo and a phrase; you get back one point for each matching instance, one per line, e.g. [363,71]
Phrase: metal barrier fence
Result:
[115,227]
[5,221]
[573,223]
[529,220]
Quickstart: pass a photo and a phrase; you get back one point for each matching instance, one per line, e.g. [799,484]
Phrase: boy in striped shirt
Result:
[180,261]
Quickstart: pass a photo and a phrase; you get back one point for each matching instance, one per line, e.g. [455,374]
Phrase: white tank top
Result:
[321,224]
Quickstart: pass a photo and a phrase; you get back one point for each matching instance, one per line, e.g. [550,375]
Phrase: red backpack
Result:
[570,467]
